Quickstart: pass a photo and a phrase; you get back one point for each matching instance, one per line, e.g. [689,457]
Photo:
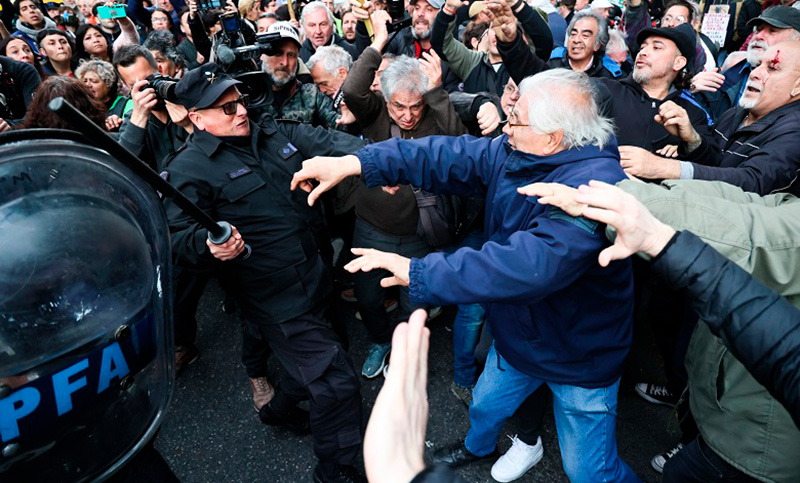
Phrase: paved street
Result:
[212,433]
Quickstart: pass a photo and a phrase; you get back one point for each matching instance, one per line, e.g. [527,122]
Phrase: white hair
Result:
[312,7]
[616,42]
[330,57]
[565,100]
[403,74]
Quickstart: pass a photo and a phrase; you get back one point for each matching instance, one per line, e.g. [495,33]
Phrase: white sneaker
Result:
[518,459]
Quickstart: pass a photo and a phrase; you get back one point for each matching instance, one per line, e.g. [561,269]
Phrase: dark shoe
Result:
[185,355]
[295,419]
[657,394]
[340,474]
[457,455]
[464,394]
[660,460]
[263,392]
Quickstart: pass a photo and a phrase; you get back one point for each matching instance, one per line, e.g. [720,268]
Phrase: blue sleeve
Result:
[460,166]
[551,254]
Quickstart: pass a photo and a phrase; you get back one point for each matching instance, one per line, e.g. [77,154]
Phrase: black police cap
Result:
[201,87]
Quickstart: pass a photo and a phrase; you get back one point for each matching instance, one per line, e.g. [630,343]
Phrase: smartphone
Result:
[208,4]
[117,11]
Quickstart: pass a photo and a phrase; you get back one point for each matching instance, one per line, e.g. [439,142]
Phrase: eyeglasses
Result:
[510,122]
[159,19]
[229,108]
[511,89]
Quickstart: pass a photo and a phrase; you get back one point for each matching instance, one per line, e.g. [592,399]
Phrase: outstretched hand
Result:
[328,171]
[395,439]
[637,229]
[370,259]
[555,194]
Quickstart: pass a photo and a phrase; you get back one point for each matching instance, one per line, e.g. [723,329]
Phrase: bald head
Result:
[775,82]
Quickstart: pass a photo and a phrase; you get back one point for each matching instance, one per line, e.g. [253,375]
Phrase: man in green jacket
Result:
[744,431]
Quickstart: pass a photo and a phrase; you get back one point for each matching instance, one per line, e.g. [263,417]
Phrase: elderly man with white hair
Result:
[557,317]
[318,24]
[329,67]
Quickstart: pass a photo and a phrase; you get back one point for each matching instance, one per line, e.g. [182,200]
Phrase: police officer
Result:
[240,171]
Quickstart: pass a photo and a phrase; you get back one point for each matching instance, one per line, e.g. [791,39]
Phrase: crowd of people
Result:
[465,155]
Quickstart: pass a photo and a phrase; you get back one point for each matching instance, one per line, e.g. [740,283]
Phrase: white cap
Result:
[601,4]
[286,30]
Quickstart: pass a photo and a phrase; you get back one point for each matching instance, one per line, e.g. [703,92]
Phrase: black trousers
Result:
[530,415]
[187,288]
[317,368]
[697,463]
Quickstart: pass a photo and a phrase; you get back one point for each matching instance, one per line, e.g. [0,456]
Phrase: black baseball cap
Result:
[201,87]
[779,16]
[683,35]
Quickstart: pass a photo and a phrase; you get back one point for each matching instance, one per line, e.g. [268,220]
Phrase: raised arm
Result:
[461,59]
[362,102]
[536,29]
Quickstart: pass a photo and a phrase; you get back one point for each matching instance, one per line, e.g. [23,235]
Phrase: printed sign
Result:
[715,23]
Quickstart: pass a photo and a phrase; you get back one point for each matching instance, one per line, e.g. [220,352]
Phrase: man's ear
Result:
[474,43]
[342,73]
[680,63]
[197,120]
[795,88]
[554,140]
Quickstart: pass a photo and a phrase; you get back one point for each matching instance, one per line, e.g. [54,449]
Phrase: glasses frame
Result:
[230,108]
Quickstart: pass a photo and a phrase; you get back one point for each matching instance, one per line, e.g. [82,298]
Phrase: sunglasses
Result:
[229,108]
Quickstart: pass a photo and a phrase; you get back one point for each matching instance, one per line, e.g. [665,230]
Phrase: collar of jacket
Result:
[210,144]
[597,62]
[632,84]
[767,121]
[332,41]
[520,163]
[31,32]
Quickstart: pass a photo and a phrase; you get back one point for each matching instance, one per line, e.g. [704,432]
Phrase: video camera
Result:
[400,19]
[264,45]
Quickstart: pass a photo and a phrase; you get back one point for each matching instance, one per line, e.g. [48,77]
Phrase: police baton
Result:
[218,231]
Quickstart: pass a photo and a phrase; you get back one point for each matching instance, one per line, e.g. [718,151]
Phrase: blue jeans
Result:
[467,326]
[585,421]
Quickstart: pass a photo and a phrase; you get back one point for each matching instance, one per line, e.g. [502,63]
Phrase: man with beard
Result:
[318,24]
[413,41]
[755,143]
[720,91]
[292,99]
[658,76]
[349,23]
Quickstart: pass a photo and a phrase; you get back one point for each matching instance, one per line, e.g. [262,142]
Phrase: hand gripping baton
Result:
[218,231]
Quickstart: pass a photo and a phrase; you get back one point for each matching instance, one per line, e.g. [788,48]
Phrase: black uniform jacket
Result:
[288,272]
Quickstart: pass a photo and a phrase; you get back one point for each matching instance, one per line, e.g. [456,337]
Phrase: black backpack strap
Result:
[426,202]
